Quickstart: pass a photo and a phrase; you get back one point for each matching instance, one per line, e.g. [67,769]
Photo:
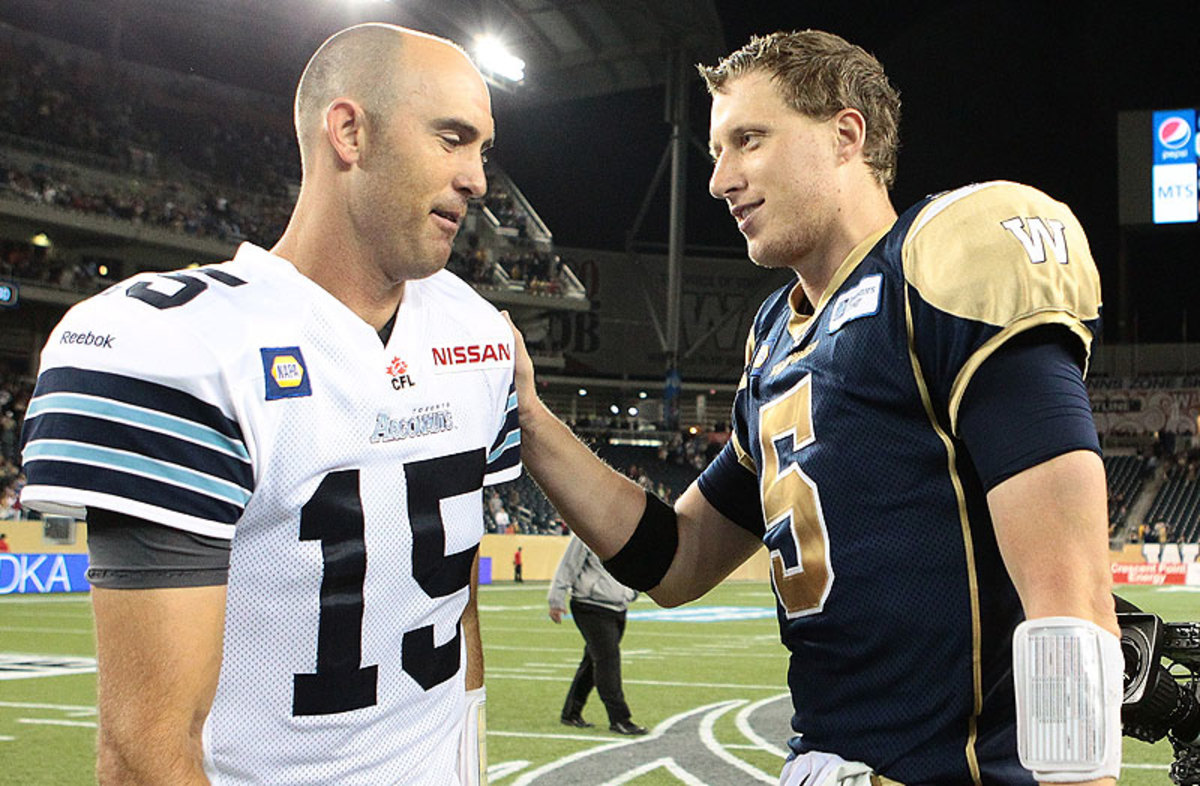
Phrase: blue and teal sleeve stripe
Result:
[127,437]
[505,453]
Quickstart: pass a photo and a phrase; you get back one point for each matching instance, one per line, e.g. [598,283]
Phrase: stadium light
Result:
[641,394]
[40,240]
[633,412]
[582,392]
[494,58]
[613,408]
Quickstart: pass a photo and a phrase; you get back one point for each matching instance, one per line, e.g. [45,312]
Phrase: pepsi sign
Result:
[1175,137]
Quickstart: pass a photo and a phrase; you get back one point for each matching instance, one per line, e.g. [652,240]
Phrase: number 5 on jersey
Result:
[801,575]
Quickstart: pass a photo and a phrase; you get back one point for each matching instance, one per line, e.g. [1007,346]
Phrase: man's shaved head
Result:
[362,63]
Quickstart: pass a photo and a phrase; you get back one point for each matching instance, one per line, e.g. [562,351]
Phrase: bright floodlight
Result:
[493,56]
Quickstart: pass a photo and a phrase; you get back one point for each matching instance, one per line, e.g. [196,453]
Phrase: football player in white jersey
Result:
[281,458]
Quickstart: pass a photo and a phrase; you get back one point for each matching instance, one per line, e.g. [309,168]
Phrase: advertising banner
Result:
[1156,574]
[43,573]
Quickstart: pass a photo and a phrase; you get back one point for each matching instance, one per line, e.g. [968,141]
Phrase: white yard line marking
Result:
[735,641]
[575,650]
[18,629]
[544,736]
[743,724]
[39,599]
[660,683]
[710,741]
[53,722]
[23,705]
[665,763]
[539,607]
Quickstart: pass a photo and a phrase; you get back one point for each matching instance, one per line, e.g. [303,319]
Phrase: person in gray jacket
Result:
[598,604]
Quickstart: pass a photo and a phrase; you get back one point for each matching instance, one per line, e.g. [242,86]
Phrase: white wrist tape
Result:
[472,749]
[1069,675]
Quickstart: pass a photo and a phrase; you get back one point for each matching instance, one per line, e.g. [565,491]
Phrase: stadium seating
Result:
[1178,502]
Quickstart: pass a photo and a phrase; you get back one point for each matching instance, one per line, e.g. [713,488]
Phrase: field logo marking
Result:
[710,741]
[656,733]
[666,764]
[743,725]
[15,666]
[505,768]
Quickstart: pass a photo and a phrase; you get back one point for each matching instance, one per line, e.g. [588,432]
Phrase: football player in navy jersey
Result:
[912,443]
[262,448]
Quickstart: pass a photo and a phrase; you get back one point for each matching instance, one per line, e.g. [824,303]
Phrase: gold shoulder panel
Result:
[744,458]
[1007,255]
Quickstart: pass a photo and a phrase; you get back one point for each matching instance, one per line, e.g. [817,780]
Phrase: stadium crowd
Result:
[196,169]
[15,390]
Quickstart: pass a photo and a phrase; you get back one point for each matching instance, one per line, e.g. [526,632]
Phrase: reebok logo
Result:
[88,339]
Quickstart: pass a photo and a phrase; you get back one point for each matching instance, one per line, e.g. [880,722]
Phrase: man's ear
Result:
[345,126]
[851,128]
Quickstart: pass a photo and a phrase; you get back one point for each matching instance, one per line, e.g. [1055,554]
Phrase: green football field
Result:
[708,679]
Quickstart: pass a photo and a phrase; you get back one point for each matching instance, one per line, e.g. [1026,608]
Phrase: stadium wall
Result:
[541,554]
[619,337]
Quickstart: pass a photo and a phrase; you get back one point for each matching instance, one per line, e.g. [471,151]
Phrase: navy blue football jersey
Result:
[891,593]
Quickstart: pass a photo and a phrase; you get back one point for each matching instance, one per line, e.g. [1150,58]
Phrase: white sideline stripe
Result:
[24,705]
[666,763]
[655,733]
[53,722]
[743,724]
[710,741]
[1145,766]
[6,738]
[662,683]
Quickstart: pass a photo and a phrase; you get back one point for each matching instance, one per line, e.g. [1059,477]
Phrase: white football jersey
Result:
[244,401]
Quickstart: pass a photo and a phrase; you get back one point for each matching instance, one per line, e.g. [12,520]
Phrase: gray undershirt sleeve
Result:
[126,552]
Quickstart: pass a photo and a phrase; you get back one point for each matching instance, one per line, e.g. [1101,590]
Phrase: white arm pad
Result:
[472,748]
[1069,675]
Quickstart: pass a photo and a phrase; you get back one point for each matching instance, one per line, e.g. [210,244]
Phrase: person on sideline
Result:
[598,606]
[304,405]
[912,443]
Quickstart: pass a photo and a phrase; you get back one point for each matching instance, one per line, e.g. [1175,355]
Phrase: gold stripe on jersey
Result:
[744,458]
[1006,255]
[968,547]
[799,322]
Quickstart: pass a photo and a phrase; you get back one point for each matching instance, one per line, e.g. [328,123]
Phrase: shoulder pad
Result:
[1000,253]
